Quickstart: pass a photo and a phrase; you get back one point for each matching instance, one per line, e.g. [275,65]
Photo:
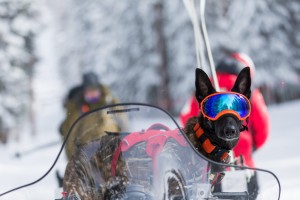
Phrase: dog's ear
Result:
[243,83]
[203,85]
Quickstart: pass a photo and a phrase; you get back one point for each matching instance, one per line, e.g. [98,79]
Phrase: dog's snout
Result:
[230,132]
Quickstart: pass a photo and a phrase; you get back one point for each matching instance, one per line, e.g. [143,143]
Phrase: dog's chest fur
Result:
[189,131]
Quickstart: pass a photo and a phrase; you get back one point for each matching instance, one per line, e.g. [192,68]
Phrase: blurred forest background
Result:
[144,50]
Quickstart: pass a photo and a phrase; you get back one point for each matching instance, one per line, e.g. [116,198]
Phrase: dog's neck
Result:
[203,143]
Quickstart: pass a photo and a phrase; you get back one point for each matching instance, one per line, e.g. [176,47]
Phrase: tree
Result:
[145,50]
[17,59]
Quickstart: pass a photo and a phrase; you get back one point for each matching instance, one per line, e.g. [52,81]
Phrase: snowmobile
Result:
[141,153]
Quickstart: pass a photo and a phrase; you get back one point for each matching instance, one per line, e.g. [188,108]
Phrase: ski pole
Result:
[44,146]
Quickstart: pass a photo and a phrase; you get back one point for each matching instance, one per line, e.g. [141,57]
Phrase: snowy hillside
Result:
[280,154]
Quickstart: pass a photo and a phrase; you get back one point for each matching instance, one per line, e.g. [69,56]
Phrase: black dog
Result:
[220,136]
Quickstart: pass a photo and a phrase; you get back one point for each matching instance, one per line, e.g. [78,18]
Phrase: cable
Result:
[207,45]
[190,7]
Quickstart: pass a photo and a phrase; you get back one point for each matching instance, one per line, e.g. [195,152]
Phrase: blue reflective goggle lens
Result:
[221,103]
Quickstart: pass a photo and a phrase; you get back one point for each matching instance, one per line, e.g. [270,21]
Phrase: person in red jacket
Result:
[258,127]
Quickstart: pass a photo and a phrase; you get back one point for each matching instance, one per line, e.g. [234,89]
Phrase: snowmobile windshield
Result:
[138,151]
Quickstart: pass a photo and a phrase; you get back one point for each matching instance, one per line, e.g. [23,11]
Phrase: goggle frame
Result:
[224,112]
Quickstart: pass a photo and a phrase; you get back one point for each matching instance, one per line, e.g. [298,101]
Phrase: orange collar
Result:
[216,152]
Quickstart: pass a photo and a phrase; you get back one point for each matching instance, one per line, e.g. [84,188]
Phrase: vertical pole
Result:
[206,41]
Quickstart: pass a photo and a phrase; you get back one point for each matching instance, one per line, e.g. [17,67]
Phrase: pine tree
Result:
[17,59]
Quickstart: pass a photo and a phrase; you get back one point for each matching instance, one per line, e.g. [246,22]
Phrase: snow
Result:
[279,155]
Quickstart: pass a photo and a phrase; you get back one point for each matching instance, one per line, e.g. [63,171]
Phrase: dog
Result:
[222,134]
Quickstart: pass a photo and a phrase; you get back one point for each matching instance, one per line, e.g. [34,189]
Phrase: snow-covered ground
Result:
[280,154]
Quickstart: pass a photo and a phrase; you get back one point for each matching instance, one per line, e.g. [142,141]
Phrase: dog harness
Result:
[216,152]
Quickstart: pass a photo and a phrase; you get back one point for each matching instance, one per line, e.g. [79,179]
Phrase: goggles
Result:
[92,95]
[218,104]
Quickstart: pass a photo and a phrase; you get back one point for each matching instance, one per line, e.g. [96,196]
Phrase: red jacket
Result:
[259,123]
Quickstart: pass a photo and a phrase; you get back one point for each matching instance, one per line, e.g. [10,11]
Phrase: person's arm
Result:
[109,98]
[71,116]
[259,120]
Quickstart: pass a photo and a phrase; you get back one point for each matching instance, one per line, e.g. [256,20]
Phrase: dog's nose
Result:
[230,132]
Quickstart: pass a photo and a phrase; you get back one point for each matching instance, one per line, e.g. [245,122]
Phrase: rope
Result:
[207,45]
[190,7]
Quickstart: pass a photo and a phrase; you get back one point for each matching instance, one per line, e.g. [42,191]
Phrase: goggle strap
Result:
[204,140]
[217,152]
[225,157]
[221,154]
[217,178]
[245,127]
[198,130]
[208,146]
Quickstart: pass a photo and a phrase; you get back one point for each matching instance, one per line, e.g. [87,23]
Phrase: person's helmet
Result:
[90,79]
[234,63]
